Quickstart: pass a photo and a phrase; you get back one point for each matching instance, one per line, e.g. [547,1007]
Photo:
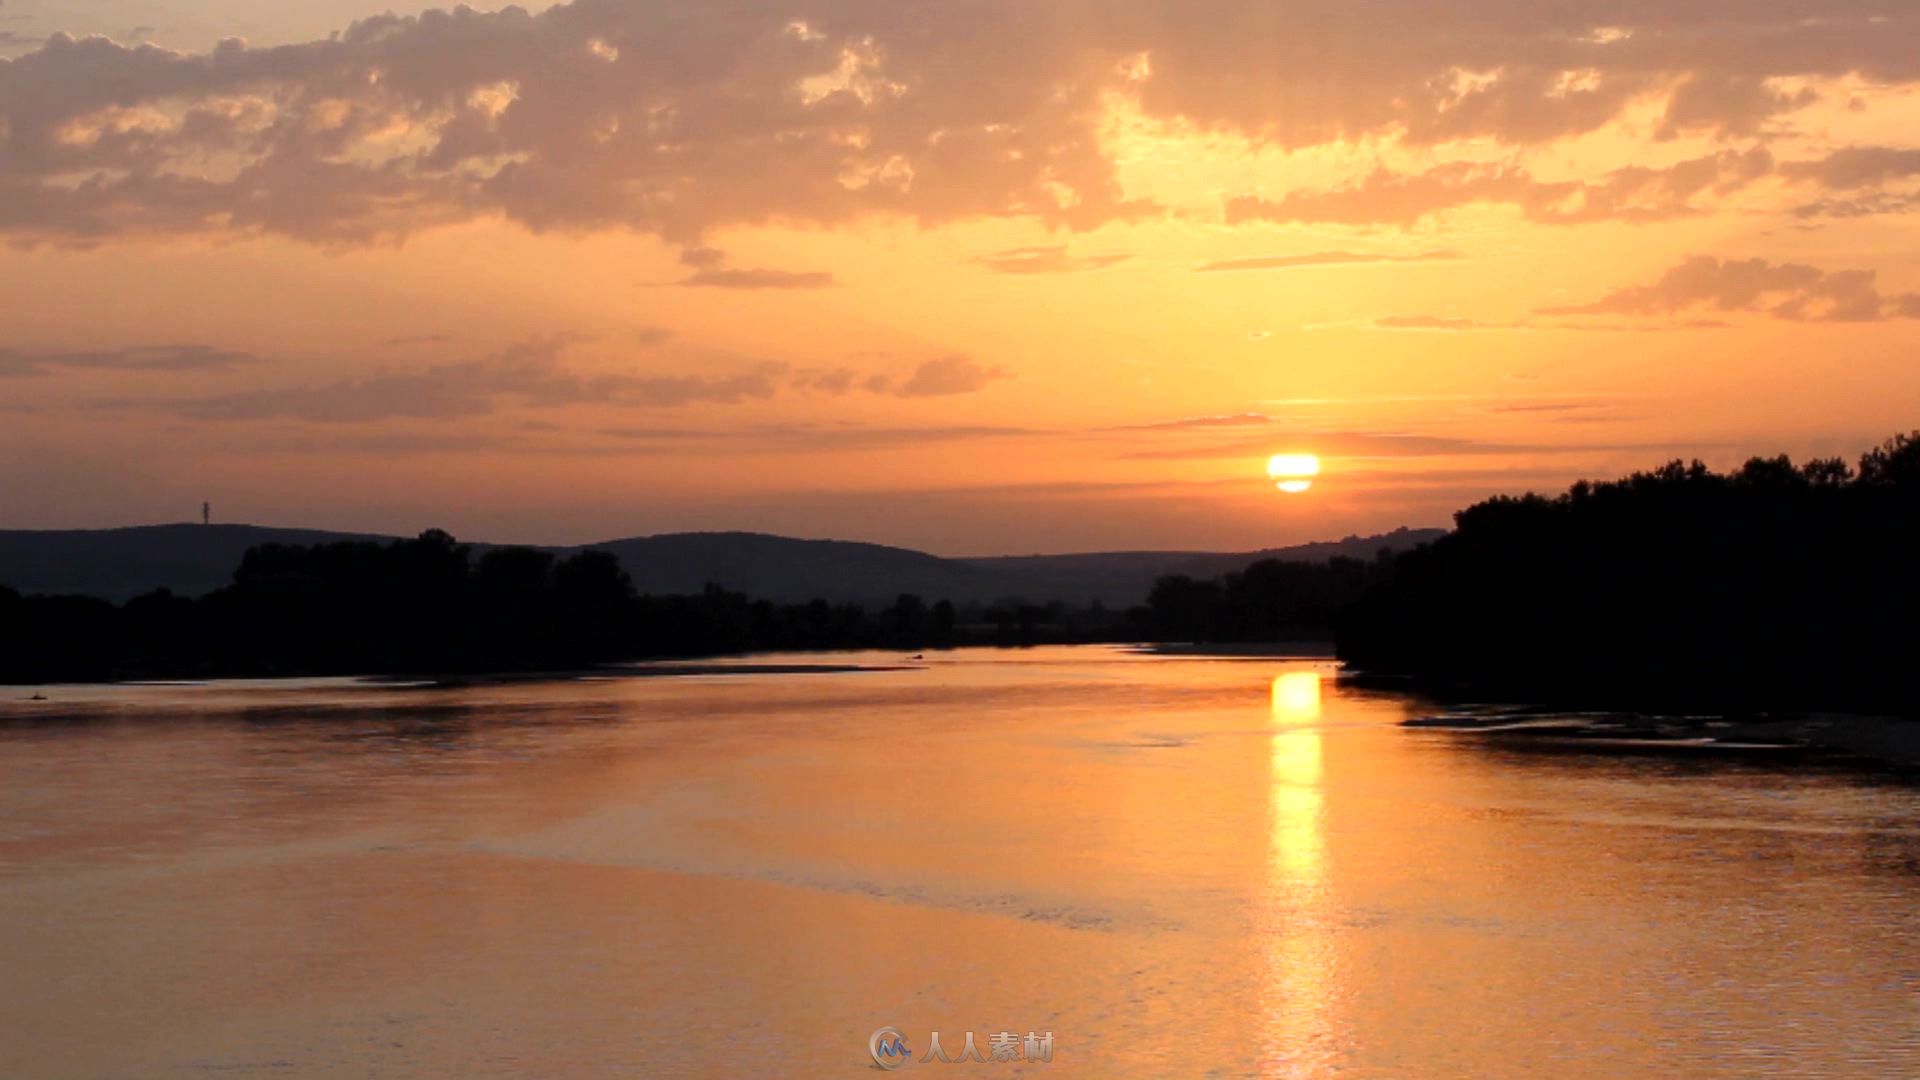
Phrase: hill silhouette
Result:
[193,560]
[119,564]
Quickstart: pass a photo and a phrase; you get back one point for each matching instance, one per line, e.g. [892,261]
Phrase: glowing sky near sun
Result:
[982,277]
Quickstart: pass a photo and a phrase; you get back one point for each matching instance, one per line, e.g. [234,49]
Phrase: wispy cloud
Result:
[530,373]
[1048,260]
[1201,423]
[950,375]
[1447,324]
[711,271]
[1319,258]
[800,438]
[1360,444]
[758,279]
[1793,291]
[1636,193]
[126,359]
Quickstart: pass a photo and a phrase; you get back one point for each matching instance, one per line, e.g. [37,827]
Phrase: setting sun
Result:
[1293,473]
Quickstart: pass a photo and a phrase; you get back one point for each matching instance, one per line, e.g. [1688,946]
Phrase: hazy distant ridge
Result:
[195,559]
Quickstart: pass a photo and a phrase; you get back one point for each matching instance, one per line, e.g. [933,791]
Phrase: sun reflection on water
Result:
[1298,1028]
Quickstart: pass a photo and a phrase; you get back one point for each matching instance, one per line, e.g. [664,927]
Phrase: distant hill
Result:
[194,559]
[119,564]
[1123,578]
[787,570]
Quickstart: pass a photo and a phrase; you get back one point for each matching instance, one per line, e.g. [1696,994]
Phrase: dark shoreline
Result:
[1884,741]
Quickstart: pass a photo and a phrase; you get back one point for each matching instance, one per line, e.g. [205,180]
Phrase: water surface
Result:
[1178,866]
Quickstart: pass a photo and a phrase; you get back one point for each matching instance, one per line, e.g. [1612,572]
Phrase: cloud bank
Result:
[677,120]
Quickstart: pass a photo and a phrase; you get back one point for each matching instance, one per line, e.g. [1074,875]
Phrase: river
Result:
[1172,867]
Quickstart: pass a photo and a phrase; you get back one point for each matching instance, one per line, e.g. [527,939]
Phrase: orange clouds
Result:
[679,121]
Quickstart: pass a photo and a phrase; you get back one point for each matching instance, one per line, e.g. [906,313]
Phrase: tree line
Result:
[1773,585]
[430,605]
[1770,586]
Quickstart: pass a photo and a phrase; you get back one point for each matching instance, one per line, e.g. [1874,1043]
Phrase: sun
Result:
[1293,473]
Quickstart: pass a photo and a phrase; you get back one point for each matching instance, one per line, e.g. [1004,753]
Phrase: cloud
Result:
[129,359]
[1543,406]
[1327,444]
[711,271]
[1048,260]
[1723,104]
[834,381]
[1431,322]
[680,121]
[1319,258]
[1857,175]
[1202,423]
[1856,167]
[1635,194]
[1865,206]
[759,279]
[948,376]
[800,438]
[529,373]
[1453,325]
[1792,291]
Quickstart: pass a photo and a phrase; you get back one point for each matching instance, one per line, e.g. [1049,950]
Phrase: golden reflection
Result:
[1296,697]
[1298,1029]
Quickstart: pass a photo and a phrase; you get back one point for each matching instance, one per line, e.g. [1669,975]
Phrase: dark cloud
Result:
[1048,260]
[679,120]
[950,375]
[128,359]
[1319,258]
[1792,291]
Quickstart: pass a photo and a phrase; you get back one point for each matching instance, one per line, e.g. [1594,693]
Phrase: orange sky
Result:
[974,277]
